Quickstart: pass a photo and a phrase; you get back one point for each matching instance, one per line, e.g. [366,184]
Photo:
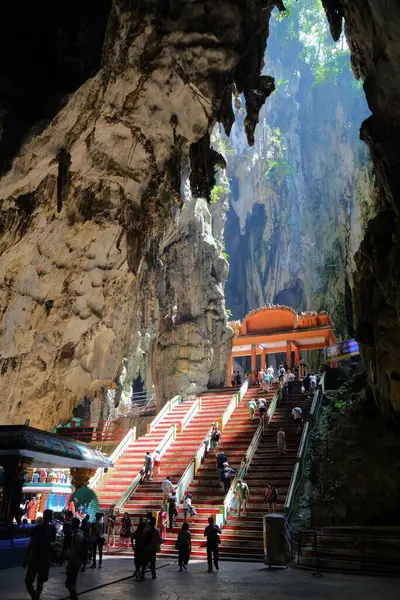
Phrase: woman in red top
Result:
[162,522]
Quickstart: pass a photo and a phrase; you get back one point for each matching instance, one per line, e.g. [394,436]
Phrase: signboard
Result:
[341,350]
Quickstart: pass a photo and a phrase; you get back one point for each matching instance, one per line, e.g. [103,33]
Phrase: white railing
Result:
[243,389]
[129,438]
[228,411]
[192,412]
[184,482]
[163,412]
[202,451]
[192,469]
[162,447]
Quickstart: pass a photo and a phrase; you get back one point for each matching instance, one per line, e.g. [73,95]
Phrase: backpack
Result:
[215,436]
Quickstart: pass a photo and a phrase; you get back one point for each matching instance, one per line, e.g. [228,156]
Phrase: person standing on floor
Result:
[221,459]
[252,405]
[184,546]
[172,510]
[243,496]
[37,559]
[77,553]
[281,442]
[126,531]
[138,543]
[97,534]
[86,546]
[162,522]
[111,520]
[157,463]
[166,487]
[297,414]
[153,543]
[212,533]
[67,531]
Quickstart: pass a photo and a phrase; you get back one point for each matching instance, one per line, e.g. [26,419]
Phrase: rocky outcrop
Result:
[300,194]
[86,203]
[373,34]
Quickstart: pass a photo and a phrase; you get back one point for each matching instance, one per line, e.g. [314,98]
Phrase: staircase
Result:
[114,484]
[208,494]
[247,532]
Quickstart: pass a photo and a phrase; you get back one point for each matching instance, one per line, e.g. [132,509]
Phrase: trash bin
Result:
[275,542]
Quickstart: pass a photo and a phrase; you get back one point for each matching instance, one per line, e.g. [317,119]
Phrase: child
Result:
[184,546]
[235,503]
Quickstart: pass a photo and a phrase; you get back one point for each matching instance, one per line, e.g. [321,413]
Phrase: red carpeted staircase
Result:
[114,484]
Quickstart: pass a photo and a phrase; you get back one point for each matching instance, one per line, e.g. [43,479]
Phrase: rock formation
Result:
[373,34]
[85,205]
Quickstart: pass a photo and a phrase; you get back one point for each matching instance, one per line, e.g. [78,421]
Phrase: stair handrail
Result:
[299,468]
[163,412]
[232,404]
[129,438]
[248,457]
[243,389]
[192,412]
[162,446]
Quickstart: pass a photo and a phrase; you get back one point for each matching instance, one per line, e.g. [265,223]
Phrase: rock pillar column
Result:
[253,364]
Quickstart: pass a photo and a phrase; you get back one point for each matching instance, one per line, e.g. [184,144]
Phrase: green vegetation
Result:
[276,159]
[216,193]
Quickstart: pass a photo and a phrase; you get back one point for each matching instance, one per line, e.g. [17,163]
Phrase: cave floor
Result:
[234,581]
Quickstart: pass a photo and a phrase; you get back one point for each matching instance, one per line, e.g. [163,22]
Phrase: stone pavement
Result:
[234,581]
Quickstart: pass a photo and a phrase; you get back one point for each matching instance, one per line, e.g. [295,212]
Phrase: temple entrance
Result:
[279,330]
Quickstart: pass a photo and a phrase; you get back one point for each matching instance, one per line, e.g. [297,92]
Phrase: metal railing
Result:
[163,412]
[162,447]
[129,438]
[142,398]
[302,454]
[347,551]
[192,412]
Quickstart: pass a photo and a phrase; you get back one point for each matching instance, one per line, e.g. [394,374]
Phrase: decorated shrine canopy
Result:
[48,450]
[277,329]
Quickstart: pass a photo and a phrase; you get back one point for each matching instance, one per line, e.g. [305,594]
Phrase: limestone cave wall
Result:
[91,188]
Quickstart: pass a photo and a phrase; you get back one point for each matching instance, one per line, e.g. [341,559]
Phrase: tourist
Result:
[138,543]
[270,370]
[285,388]
[77,554]
[212,533]
[153,543]
[157,462]
[184,546]
[260,378]
[221,459]
[290,378]
[270,497]
[172,510]
[126,531]
[267,381]
[243,496]
[281,442]
[162,522]
[148,467]
[228,476]
[297,414]
[281,369]
[111,520]
[188,509]
[72,506]
[238,378]
[166,487]
[67,532]
[97,535]
[32,509]
[234,507]
[215,437]
[262,408]
[306,384]
[37,559]
[313,383]
[252,405]
[85,530]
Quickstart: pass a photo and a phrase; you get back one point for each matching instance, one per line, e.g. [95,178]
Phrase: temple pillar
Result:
[289,353]
[230,369]
[81,476]
[253,364]
[263,360]
[297,360]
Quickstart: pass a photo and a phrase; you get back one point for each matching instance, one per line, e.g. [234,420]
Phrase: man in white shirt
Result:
[262,407]
[270,370]
[297,414]
[166,487]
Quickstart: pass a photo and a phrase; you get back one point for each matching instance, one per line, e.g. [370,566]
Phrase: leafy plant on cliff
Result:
[275,154]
